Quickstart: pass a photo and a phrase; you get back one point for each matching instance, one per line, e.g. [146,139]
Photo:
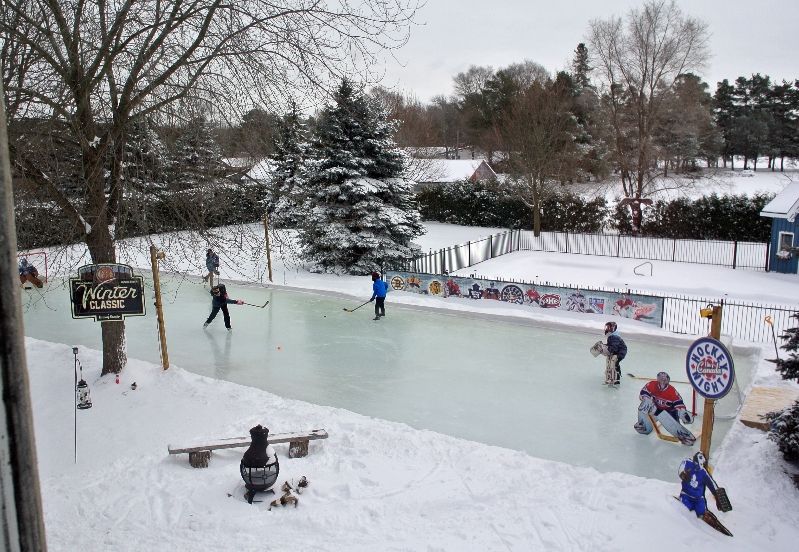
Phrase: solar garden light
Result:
[83,400]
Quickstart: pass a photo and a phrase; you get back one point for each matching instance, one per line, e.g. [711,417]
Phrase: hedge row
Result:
[713,217]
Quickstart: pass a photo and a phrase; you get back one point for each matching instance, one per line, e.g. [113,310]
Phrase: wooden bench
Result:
[200,454]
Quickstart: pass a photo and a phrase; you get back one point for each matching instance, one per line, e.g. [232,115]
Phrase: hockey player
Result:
[616,351]
[695,478]
[664,403]
[28,273]
[379,290]
[219,302]
[212,264]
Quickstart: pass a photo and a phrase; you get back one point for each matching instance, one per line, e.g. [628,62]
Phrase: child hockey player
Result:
[664,403]
[212,264]
[695,478]
[219,300]
[615,349]
[379,290]
[28,273]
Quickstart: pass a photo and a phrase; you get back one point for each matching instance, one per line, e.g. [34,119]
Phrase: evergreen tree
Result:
[287,182]
[785,431]
[789,367]
[785,424]
[580,66]
[196,159]
[360,214]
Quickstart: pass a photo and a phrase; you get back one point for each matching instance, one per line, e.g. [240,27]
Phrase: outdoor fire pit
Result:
[259,466]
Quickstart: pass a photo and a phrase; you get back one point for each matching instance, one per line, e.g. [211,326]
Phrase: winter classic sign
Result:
[106,292]
[710,368]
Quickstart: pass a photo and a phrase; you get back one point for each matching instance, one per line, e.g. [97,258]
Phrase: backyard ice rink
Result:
[376,484]
[512,382]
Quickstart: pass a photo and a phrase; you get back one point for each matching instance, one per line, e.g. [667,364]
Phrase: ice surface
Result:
[513,384]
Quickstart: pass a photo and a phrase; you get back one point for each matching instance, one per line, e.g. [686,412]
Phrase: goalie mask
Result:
[663,380]
[610,327]
[700,459]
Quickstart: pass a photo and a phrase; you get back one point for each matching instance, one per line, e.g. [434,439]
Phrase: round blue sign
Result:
[710,368]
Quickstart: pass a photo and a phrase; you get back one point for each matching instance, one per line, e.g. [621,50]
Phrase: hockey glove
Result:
[647,405]
[722,502]
[686,417]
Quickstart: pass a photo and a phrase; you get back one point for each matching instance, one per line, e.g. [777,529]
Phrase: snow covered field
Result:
[375,485]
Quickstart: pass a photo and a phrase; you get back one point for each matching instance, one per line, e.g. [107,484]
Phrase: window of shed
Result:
[786,241]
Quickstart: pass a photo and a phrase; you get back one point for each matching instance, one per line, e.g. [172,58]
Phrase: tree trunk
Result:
[101,248]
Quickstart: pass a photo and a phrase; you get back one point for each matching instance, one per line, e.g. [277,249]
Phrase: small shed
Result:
[783,252]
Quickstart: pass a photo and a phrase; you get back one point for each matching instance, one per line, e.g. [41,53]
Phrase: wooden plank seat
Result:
[200,454]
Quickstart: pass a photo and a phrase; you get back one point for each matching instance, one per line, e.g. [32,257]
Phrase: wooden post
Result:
[710,404]
[21,522]
[155,255]
[268,247]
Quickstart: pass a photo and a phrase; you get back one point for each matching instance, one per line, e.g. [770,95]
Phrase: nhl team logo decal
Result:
[710,368]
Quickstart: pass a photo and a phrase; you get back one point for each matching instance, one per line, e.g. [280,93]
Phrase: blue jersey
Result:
[616,345]
[695,480]
[379,289]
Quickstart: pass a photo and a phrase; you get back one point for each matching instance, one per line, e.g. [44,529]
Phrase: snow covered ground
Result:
[374,484]
[378,485]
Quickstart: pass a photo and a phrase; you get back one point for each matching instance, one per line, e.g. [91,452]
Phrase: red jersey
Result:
[667,399]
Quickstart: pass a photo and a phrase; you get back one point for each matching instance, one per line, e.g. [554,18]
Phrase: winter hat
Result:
[375,276]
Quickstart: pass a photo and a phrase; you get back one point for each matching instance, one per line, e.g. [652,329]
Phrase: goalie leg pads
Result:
[673,426]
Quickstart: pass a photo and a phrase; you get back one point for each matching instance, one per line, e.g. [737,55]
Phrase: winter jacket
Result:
[212,262]
[221,299]
[379,289]
[616,345]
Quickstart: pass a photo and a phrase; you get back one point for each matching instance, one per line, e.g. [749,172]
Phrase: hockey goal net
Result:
[37,259]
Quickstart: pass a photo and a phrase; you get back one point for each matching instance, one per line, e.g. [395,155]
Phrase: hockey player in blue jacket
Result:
[617,350]
[695,478]
[379,290]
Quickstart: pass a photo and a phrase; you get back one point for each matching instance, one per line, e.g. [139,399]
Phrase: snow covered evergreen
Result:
[789,367]
[196,159]
[785,424]
[361,215]
[287,182]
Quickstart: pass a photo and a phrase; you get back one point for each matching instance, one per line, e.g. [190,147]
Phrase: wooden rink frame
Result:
[761,400]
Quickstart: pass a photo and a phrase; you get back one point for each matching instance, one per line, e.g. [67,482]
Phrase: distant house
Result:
[262,171]
[783,252]
[428,172]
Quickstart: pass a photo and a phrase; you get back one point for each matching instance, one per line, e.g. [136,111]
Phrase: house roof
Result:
[785,205]
[452,170]
[262,170]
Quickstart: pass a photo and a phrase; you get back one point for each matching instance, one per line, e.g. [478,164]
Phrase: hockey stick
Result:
[259,306]
[770,322]
[660,434]
[653,379]
[356,308]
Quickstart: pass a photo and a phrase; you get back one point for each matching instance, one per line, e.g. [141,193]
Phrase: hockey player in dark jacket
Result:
[220,301]
[617,349]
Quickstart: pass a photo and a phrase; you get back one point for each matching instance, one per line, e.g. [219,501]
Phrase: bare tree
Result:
[97,66]
[637,61]
[539,135]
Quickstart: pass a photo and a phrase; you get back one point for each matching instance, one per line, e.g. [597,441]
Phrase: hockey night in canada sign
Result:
[106,292]
[710,368]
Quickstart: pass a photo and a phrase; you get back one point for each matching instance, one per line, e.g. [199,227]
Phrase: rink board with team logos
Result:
[645,308]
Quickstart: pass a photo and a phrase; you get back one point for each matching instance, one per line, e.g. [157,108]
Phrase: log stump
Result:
[298,449]
[199,459]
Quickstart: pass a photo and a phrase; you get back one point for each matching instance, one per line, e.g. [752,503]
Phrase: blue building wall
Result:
[776,264]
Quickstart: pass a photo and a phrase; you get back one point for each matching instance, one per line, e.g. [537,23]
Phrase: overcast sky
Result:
[746,37]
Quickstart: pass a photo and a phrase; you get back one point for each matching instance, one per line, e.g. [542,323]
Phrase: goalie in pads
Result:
[615,350]
[662,401]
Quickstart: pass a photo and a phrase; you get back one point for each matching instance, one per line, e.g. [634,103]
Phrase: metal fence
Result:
[732,254]
[740,320]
